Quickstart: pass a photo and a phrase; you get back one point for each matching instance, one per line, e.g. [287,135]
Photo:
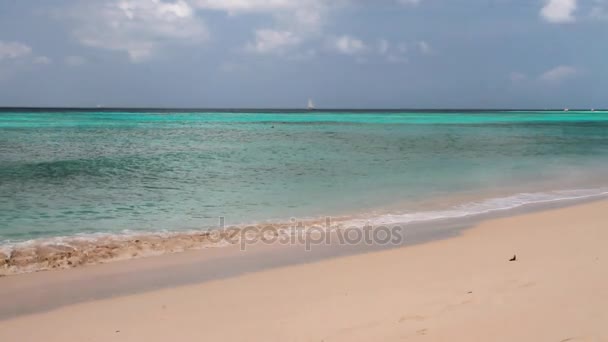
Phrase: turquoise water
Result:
[67,173]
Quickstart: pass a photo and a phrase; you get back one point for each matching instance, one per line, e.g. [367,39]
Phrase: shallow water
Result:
[91,172]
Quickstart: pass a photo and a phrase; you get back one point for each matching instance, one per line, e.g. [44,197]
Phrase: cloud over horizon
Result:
[137,27]
[559,73]
[13,50]
[559,11]
[404,52]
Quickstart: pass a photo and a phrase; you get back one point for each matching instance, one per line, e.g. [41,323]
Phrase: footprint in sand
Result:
[528,284]
[411,318]
[422,331]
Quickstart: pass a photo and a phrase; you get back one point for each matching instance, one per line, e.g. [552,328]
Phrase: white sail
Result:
[311,105]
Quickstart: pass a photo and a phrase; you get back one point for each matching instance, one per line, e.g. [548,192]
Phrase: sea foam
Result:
[481,207]
[85,249]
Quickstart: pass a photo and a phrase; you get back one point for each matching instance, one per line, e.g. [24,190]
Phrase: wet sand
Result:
[461,288]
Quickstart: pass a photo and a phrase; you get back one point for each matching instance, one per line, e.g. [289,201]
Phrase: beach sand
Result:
[458,289]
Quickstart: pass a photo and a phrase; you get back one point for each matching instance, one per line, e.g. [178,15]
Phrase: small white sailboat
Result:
[311,105]
[566,110]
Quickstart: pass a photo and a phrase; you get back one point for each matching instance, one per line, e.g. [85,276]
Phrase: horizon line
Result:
[290,109]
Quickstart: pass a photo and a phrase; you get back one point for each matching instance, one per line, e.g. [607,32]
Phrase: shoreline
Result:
[461,288]
[64,287]
[49,254]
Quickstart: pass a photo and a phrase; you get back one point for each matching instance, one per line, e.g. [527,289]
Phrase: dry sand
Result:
[459,289]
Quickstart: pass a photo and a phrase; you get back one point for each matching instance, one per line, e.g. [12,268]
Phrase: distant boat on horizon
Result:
[566,110]
[311,105]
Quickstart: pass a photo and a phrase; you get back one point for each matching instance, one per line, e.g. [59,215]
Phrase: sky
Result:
[278,53]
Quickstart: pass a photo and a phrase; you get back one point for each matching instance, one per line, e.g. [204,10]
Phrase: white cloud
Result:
[272,41]
[402,47]
[142,27]
[408,2]
[393,52]
[44,60]
[559,74]
[234,6]
[16,57]
[75,61]
[137,27]
[383,46]
[390,52]
[295,15]
[16,51]
[307,14]
[559,11]
[303,55]
[599,11]
[517,76]
[348,45]
[13,50]
[424,47]
[397,59]
[294,21]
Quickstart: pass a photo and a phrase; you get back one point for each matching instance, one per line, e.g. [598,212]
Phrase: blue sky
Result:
[278,53]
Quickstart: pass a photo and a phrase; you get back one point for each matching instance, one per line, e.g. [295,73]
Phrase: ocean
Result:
[88,173]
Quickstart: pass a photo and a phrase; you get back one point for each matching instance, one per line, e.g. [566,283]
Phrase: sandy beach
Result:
[303,170]
[458,289]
